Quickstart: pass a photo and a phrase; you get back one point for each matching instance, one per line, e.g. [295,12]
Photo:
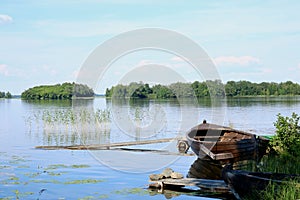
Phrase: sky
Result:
[47,42]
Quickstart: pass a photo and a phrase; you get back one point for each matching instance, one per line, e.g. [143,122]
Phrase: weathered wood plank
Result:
[204,184]
[163,152]
[219,156]
[107,146]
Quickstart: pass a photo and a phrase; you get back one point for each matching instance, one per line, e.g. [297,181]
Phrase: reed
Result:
[71,126]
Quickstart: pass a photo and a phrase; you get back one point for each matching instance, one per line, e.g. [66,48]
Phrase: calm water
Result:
[29,173]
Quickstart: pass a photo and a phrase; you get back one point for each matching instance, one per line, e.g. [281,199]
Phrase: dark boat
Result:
[222,143]
[247,184]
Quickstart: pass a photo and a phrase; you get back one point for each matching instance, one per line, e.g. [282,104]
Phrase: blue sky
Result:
[46,42]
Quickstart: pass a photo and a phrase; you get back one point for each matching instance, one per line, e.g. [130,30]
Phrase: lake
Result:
[29,173]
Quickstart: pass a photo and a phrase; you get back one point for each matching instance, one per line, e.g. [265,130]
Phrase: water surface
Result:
[28,173]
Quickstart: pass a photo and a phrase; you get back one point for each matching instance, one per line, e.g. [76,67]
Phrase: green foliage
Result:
[207,88]
[179,90]
[286,191]
[286,159]
[287,138]
[282,163]
[2,94]
[289,190]
[8,95]
[162,92]
[5,95]
[58,91]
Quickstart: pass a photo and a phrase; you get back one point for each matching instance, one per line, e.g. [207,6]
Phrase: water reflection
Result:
[257,114]
[67,122]
[169,194]
[58,124]
[48,103]
[265,101]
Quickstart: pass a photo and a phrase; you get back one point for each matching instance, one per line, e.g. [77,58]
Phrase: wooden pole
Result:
[107,146]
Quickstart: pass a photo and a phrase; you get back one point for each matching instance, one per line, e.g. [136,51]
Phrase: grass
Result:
[279,163]
[286,191]
[283,157]
[282,163]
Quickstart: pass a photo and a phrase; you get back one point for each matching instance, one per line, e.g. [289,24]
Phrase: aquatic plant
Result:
[71,126]
[58,166]
[127,191]
[84,181]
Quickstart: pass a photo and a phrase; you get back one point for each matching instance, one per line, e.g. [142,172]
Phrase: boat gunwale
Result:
[218,128]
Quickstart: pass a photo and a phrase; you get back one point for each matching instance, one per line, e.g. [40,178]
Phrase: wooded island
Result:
[203,89]
[58,91]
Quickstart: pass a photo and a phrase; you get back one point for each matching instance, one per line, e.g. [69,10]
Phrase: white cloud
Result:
[297,68]
[144,62]
[266,70]
[4,69]
[49,70]
[241,60]
[5,19]
[177,59]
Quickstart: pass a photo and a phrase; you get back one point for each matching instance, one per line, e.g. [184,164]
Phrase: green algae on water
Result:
[57,166]
[84,181]
[127,191]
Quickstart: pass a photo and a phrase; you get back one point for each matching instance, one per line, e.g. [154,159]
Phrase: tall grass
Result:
[283,157]
[282,163]
[286,190]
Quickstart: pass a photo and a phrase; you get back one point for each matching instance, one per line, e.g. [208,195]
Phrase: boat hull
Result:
[248,184]
[217,139]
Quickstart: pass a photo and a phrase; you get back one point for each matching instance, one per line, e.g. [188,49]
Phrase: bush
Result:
[287,138]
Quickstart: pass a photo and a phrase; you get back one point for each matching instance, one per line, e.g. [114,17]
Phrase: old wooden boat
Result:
[248,184]
[222,143]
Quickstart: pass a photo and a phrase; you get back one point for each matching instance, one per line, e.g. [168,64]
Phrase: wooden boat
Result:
[205,168]
[248,184]
[222,143]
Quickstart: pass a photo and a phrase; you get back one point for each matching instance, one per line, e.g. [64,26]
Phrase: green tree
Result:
[216,88]
[162,92]
[2,94]
[182,90]
[8,95]
[287,138]
[58,91]
[208,88]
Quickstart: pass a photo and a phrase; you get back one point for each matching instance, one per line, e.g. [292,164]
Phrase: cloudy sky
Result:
[46,42]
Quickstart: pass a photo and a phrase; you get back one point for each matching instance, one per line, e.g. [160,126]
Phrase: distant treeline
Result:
[203,89]
[58,91]
[5,95]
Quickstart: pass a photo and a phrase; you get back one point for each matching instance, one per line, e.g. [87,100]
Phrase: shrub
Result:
[287,138]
